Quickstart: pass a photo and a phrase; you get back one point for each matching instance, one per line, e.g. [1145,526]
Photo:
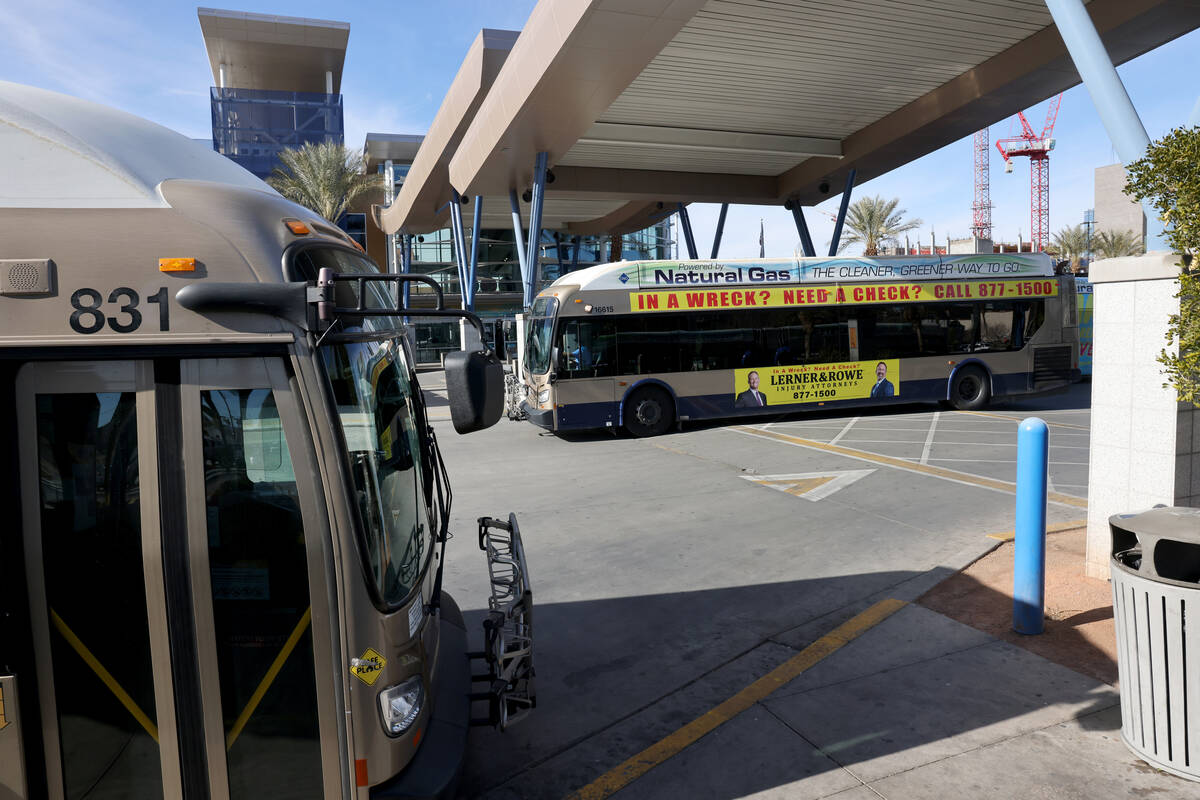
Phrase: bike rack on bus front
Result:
[508,628]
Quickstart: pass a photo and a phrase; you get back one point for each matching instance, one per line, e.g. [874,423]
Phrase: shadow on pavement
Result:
[618,674]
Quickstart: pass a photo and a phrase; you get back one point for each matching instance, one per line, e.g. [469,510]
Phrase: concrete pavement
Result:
[666,584]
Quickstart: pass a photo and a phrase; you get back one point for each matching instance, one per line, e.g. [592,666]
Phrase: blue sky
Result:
[148,58]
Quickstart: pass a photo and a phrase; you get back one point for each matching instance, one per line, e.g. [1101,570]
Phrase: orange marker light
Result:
[297,227]
[177,265]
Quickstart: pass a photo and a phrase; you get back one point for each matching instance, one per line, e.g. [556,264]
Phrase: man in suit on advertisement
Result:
[752,397]
[883,387]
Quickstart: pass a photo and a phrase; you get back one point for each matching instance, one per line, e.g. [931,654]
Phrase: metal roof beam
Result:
[614,133]
[662,185]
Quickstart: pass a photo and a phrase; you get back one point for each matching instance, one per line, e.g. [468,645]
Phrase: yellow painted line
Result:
[268,679]
[911,466]
[104,675]
[1058,527]
[1018,419]
[621,776]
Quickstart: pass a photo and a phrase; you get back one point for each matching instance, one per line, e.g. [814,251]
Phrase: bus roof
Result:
[635,275]
[105,217]
[63,152]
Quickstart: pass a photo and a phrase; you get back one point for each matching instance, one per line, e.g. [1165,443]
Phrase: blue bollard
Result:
[1029,556]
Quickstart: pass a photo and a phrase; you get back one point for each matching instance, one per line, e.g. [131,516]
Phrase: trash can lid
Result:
[1177,522]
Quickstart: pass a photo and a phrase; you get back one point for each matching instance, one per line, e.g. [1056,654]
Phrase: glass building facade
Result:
[251,126]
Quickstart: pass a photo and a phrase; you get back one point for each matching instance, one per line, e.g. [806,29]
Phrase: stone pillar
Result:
[1142,446]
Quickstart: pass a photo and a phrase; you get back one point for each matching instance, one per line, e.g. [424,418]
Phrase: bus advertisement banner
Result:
[923,292]
[815,383]
[1085,305]
[767,272]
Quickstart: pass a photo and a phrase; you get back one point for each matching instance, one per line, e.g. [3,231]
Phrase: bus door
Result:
[177,592]
[585,392]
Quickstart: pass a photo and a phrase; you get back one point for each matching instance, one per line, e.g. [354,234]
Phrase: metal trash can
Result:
[1156,608]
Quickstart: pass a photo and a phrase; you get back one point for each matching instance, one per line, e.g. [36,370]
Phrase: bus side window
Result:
[1035,315]
[588,347]
[996,326]
[650,344]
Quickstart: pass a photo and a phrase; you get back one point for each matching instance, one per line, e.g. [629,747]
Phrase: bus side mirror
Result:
[501,348]
[475,385]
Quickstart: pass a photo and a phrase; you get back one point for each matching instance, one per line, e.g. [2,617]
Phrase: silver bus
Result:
[645,345]
[221,575]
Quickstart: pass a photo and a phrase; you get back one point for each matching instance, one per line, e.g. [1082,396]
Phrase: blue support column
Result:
[460,243]
[533,262]
[802,228]
[1108,94]
[473,265]
[686,224]
[518,235]
[405,263]
[558,253]
[720,229]
[841,217]
[1029,548]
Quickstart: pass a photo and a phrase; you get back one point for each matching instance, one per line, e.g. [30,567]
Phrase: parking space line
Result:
[968,444]
[1013,461]
[621,776]
[1008,536]
[845,430]
[1018,419]
[929,437]
[944,473]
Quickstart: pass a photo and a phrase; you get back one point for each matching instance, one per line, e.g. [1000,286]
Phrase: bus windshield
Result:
[540,328]
[375,407]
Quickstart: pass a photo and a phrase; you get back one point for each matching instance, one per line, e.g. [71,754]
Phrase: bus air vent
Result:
[25,276]
[1052,363]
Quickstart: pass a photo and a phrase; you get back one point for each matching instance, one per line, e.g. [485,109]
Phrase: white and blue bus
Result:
[644,345]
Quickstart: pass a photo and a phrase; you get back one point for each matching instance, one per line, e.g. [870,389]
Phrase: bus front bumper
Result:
[434,770]
[539,417]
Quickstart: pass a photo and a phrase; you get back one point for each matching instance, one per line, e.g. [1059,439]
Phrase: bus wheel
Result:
[969,389]
[649,412]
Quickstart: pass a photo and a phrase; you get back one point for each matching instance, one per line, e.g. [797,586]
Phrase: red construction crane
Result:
[1038,148]
[981,209]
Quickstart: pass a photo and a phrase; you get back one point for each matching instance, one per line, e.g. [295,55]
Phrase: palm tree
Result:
[1071,243]
[325,177]
[873,222]
[1114,244]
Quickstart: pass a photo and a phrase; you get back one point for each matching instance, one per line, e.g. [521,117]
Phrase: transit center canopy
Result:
[643,104]
[273,53]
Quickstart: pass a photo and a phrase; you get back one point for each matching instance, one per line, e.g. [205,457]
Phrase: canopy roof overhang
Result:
[273,53]
[400,148]
[641,106]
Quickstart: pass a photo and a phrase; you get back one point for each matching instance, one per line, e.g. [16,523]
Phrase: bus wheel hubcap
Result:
[648,413]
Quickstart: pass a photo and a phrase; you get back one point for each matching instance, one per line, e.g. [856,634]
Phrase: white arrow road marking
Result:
[810,485]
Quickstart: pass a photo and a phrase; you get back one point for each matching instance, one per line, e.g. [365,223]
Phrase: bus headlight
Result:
[543,397]
[400,705]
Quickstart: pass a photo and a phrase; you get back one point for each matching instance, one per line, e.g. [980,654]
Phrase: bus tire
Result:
[649,411]
[969,390]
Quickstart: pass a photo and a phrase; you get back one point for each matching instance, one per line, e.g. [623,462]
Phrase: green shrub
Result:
[1168,176]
